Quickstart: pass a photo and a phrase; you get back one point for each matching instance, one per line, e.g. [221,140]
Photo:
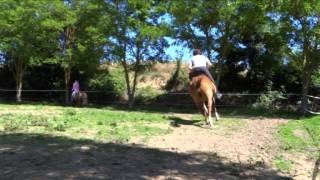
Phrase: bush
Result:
[146,94]
[179,79]
[271,99]
[110,81]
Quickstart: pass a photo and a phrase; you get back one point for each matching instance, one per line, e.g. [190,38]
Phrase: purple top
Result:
[76,86]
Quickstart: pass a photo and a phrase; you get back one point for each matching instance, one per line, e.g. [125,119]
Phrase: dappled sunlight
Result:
[35,156]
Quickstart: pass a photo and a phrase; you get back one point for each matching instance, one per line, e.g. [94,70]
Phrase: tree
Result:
[194,22]
[209,25]
[82,38]
[24,30]
[138,37]
[301,21]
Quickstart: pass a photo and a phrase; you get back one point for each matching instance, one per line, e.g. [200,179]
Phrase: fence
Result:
[314,105]
[168,99]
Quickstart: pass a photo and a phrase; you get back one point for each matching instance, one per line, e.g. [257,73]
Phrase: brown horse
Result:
[80,99]
[203,92]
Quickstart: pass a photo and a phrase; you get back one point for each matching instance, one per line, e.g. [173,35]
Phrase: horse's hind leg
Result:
[205,109]
[210,102]
[215,110]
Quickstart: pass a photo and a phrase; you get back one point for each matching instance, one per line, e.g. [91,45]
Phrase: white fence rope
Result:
[169,93]
[174,93]
[311,111]
[314,97]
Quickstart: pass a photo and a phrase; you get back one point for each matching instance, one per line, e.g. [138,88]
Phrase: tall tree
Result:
[209,25]
[83,37]
[301,21]
[138,37]
[194,22]
[24,30]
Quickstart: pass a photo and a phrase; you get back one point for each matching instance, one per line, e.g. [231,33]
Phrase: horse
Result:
[80,99]
[203,92]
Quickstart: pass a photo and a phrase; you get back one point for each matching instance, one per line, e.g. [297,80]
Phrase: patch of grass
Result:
[84,123]
[301,135]
[123,133]
[282,164]
[229,125]
[249,111]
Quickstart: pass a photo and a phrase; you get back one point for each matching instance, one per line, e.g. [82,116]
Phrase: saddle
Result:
[196,72]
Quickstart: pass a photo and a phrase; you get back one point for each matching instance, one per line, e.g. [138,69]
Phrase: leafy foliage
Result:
[251,43]
[270,99]
[111,82]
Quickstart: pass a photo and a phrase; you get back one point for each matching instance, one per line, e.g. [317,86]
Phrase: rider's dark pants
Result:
[200,70]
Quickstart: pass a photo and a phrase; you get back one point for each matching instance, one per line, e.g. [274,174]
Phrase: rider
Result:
[199,64]
[75,89]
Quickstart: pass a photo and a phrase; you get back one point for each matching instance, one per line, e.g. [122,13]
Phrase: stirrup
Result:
[219,95]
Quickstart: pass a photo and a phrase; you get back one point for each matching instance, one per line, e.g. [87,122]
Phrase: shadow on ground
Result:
[35,156]
[179,121]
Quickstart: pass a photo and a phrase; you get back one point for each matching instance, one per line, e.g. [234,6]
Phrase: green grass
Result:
[81,123]
[227,124]
[301,135]
[248,112]
[282,164]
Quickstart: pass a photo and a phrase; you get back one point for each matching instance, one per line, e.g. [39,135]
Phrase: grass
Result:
[282,164]
[301,135]
[81,123]
[248,112]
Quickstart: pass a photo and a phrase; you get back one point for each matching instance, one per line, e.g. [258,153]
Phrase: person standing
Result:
[75,89]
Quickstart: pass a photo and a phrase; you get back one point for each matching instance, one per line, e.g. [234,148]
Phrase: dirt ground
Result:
[189,152]
[252,144]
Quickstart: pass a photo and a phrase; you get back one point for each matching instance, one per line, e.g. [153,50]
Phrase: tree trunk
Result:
[220,63]
[135,78]
[67,74]
[208,45]
[18,70]
[127,79]
[306,69]
[224,52]
[305,91]
[18,87]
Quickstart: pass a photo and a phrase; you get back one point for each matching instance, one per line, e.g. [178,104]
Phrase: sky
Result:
[178,51]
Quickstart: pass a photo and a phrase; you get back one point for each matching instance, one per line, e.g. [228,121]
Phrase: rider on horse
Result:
[199,65]
[75,89]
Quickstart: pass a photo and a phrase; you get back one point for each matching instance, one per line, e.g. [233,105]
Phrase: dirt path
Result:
[252,143]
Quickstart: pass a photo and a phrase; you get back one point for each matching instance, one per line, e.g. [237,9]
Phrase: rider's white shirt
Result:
[199,61]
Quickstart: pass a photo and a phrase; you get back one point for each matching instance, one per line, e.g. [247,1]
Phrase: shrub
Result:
[112,81]
[147,94]
[270,99]
[179,79]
